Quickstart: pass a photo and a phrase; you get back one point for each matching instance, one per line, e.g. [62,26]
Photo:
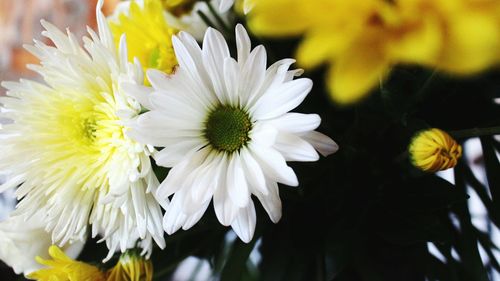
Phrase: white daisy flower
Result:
[66,147]
[227,131]
[22,239]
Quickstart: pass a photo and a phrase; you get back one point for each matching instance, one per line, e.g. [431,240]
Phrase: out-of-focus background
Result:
[20,24]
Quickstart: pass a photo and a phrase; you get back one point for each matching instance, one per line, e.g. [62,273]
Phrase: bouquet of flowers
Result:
[182,128]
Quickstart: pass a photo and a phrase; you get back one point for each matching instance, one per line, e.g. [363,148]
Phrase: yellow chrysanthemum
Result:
[434,150]
[63,268]
[131,267]
[362,39]
[149,36]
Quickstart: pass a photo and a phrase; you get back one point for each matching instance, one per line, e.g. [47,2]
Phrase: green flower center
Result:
[89,128]
[227,128]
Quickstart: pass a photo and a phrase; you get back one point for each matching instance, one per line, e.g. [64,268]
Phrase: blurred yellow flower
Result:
[362,39]
[434,150]
[149,36]
[131,267]
[470,32]
[63,268]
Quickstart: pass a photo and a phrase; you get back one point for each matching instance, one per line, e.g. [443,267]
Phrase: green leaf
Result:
[488,246]
[466,241]
[482,192]
[492,169]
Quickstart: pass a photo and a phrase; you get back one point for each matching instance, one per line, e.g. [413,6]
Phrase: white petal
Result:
[224,5]
[274,165]
[182,87]
[252,74]
[172,104]
[174,217]
[225,210]
[283,99]
[199,185]
[187,57]
[263,134]
[158,79]
[253,172]
[194,218]
[243,43]
[293,148]
[271,202]
[122,51]
[179,172]
[322,143]
[232,78]
[215,51]
[236,183]
[248,6]
[296,122]
[208,180]
[103,27]
[244,223]
[174,153]
[195,51]
[274,76]
[12,182]
[184,57]
[139,92]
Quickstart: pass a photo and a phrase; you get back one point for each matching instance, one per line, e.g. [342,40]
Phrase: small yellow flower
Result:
[131,267]
[434,150]
[149,36]
[363,39]
[63,268]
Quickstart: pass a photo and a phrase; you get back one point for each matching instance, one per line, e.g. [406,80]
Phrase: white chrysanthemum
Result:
[66,146]
[21,240]
[226,131]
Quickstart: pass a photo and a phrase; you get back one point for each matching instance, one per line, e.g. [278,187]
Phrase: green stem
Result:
[422,92]
[218,18]
[205,19]
[475,132]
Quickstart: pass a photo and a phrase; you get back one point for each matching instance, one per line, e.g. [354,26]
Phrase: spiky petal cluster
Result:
[66,148]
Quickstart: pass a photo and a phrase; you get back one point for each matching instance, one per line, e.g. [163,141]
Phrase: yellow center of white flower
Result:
[86,126]
[76,137]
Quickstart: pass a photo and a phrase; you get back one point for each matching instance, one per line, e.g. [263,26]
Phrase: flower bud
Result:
[434,150]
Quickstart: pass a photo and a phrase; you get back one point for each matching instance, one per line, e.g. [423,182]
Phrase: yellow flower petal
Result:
[422,45]
[63,268]
[279,23]
[473,44]
[131,267]
[357,72]
[320,46]
[149,37]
